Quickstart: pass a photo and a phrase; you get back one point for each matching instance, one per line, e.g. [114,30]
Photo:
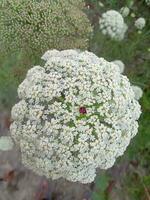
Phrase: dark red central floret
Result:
[82,110]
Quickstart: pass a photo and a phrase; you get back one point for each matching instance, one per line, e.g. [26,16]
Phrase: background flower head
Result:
[36,26]
[112,24]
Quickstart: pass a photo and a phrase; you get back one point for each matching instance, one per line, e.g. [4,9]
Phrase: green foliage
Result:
[136,185]
[102,182]
[146,180]
[13,68]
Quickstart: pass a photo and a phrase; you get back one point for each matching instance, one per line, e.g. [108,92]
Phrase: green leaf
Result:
[102,182]
[146,180]
[98,196]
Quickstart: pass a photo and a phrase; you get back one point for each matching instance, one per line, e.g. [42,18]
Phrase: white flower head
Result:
[138,92]
[125,11]
[140,23]
[147,2]
[78,114]
[120,64]
[113,25]
[38,25]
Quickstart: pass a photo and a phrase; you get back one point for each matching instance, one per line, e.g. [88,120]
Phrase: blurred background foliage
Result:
[129,179]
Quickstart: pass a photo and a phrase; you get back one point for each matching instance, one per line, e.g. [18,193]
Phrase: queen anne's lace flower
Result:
[147,2]
[112,24]
[120,64]
[41,25]
[124,11]
[77,113]
[140,23]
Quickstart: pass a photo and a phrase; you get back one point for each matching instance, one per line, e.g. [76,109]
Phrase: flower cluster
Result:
[113,25]
[140,23]
[147,2]
[77,113]
[41,25]
[124,11]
